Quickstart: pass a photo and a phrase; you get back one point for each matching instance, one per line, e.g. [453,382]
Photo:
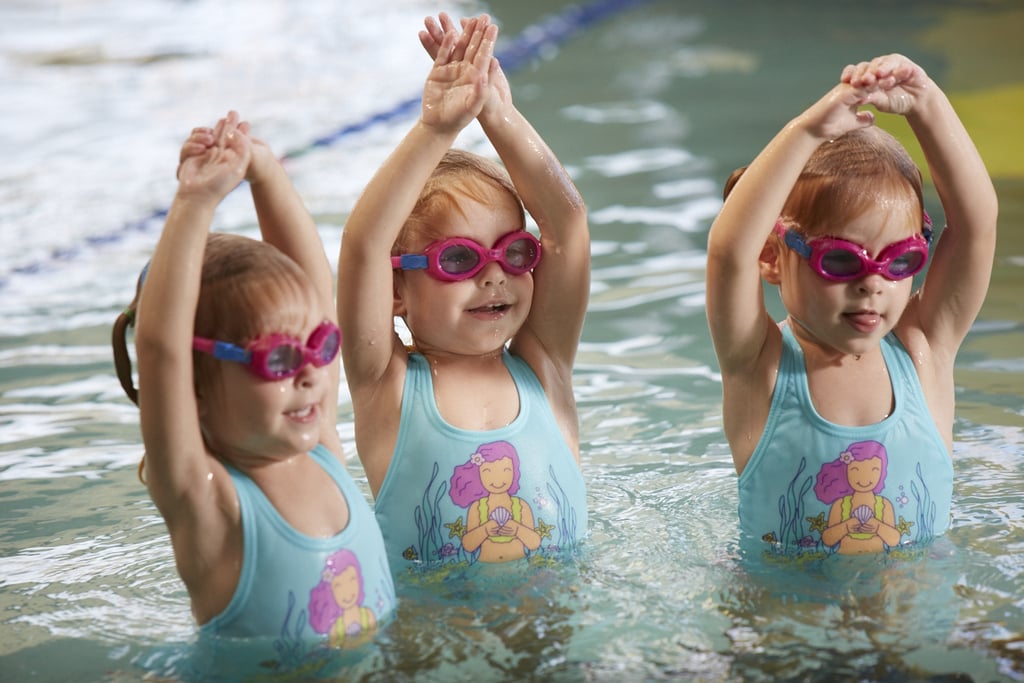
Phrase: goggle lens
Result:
[278,356]
[522,253]
[841,263]
[283,359]
[458,258]
[840,260]
[907,264]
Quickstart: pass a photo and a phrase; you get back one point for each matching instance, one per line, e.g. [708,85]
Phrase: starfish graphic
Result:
[818,523]
[544,529]
[456,529]
[904,526]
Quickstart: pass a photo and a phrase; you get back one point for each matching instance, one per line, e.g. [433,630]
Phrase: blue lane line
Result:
[553,30]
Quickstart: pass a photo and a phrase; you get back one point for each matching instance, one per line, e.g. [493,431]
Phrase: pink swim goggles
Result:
[840,260]
[278,356]
[459,258]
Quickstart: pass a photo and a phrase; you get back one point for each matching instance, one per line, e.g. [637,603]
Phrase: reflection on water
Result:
[650,110]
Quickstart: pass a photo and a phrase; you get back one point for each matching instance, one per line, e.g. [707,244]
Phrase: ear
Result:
[398,304]
[770,261]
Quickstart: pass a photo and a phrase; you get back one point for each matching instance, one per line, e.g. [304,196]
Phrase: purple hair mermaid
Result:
[832,483]
[466,486]
[324,610]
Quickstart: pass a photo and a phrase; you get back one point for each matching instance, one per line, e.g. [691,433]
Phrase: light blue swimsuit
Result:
[285,589]
[800,472]
[433,494]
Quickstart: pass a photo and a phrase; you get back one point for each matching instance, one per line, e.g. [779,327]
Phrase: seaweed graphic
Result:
[565,514]
[791,509]
[289,645]
[295,652]
[926,508]
[433,547]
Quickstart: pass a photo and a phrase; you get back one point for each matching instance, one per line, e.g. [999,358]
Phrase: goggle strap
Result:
[796,243]
[410,262]
[221,350]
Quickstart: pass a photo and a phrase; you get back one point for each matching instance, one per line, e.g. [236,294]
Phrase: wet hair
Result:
[247,287]
[861,170]
[460,175]
[119,342]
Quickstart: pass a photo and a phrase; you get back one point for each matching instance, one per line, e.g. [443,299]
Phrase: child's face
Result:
[475,316]
[249,419]
[849,317]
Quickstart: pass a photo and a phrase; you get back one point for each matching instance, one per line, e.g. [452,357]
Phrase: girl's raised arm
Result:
[737,315]
[286,223]
[177,463]
[452,97]
[961,263]
[562,278]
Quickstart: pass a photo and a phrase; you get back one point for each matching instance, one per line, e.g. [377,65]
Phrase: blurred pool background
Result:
[650,104]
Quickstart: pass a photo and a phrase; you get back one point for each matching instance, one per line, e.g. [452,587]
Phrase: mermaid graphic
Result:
[859,520]
[498,523]
[336,603]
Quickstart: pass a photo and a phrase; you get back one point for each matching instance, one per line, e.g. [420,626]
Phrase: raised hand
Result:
[892,83]
[214,161]
[838,112]
[456,87]
[499,94]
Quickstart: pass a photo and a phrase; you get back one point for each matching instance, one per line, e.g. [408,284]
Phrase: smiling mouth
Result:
[303,413]
[491,308]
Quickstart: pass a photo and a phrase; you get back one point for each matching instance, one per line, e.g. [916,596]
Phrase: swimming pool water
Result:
[649,108]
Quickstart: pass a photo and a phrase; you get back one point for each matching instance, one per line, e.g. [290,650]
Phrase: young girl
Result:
[831,212]
[236,343]
[438,238]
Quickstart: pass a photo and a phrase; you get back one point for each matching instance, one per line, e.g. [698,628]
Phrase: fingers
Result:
[859,75]
[447,23]
[205,148]
[445,49]
[433,36]
[218,131]
[467,43]
[865,117]
[228,129]
[201,134]
[481,45]
[892,83]
[884,72]
[429,44]
[199,139]
[463,41]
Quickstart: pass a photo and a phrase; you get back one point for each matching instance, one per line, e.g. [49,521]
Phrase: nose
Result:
[492,274]
[308,375]
[871,283]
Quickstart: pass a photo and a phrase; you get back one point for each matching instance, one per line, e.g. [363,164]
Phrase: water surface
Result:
[649,108]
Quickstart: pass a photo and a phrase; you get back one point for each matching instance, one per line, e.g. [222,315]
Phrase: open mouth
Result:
[491,308]
[865,321]
[303,413]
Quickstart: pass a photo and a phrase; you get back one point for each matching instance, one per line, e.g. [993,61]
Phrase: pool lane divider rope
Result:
[524,48]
